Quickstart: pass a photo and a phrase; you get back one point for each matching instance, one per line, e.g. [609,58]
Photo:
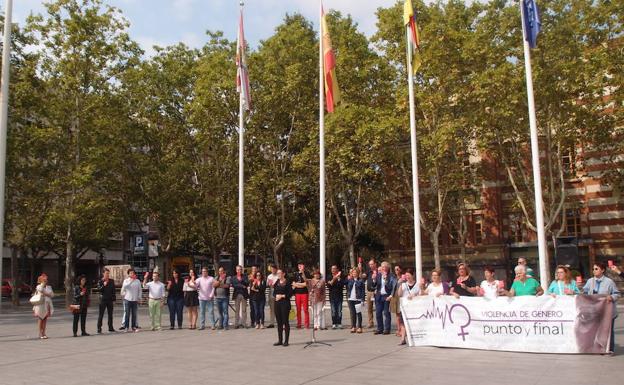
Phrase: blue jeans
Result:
[222,308]
[336,309]
[203,305]
[257,310]
[131,310]
[176,307]
[382,310]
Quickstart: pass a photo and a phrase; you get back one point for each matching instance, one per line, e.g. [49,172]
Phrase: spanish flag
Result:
[413,43]
[332,93]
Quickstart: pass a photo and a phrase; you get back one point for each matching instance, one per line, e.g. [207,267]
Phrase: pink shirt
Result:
[205,288]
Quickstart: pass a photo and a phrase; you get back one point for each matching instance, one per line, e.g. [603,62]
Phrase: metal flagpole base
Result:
[314,342]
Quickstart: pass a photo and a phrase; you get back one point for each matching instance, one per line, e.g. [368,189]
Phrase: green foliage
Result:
[101,137]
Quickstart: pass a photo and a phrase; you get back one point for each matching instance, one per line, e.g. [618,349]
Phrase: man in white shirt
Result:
[131,293]
[156,300]
[206,287]
[271,279]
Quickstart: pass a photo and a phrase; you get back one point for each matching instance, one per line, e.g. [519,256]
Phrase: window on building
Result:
[478,229]
[516,228]
[573,222]
[453,235]
[568,160]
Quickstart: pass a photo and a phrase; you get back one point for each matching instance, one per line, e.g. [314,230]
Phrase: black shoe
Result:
[122,328]
[285,344]
[172,327]
[75,335]
[377,332]
[271,326]
[386,332]
[278,343]
[99,331]
[112,331]
[85,334]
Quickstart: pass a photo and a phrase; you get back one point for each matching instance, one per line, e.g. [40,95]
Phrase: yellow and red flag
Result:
[332,93]
[413,39]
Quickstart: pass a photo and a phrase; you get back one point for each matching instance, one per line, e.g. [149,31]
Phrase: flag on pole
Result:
[532,22]
[242,74]
[332,93]
[409,20]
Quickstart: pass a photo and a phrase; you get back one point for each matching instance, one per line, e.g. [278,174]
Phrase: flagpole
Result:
[321,147]
[537,177]
[4,115]
[241,171]
[415,188]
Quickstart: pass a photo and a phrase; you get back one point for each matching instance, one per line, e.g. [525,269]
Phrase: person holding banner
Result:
[523,285]
[489,288]
[465,285]
[563,285]
[616,269]
[436,288]
[355,295]
[409,289]
[599,284]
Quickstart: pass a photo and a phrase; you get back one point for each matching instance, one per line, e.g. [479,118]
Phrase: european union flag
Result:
[532,23]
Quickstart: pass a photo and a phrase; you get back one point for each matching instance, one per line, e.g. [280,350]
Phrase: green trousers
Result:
[155,312]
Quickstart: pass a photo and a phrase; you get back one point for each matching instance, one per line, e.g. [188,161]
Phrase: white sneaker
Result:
[333,327]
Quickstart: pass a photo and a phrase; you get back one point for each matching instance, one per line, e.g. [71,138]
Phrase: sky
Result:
[166,22]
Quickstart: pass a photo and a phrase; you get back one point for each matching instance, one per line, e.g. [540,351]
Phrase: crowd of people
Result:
[376,291]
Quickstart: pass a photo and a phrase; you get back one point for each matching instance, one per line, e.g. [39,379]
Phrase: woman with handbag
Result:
[42,304]
[80,305]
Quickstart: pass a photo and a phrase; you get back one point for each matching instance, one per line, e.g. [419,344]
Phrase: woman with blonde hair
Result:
[436,288]
[563,284]
[355,299]
[44,309]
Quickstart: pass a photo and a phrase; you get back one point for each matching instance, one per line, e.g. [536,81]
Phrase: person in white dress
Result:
[490,286]
[45,309]
[436,288]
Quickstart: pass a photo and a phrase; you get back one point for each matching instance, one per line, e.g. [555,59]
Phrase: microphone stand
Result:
[313,341]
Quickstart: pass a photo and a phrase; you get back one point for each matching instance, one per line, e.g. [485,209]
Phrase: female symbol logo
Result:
[463,333]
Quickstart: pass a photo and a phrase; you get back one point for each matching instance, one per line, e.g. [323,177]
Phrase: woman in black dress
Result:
[282,291]
[191,298]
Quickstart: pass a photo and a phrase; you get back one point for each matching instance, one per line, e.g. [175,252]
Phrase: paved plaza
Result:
[248,357]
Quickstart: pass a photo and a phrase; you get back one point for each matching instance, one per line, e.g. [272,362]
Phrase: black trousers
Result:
[82,316]
[356,318]
[282,309]
[108,306]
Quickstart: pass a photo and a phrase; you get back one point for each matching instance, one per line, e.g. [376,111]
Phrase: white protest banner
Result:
[565,324]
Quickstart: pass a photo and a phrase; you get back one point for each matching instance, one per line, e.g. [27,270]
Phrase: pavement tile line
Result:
[107,348]
[352,366]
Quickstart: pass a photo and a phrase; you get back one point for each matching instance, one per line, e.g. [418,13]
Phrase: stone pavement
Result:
[248,357]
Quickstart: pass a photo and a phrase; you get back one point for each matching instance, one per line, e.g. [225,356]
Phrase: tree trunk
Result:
[435,241]
[69,267]
[352,253]
[15,281]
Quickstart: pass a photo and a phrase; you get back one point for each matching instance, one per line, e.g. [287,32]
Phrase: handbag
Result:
[74,308]
[37,299]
